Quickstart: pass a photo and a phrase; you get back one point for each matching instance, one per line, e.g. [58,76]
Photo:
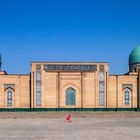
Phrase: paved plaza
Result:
[84,126]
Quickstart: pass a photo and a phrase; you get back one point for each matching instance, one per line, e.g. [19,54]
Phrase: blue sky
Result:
[68,30]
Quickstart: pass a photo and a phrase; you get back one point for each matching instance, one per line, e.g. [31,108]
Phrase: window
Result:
[38,87]
[9,98]
[127,97]
[101,77]
[38,76]
[101,90]
[102,86]
[70,96]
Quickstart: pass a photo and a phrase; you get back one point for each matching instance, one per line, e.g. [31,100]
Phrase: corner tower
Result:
[134,60]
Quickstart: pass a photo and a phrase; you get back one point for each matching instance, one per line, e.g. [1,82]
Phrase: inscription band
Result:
[53,67]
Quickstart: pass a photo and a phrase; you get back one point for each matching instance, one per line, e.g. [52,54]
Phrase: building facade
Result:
[72,85]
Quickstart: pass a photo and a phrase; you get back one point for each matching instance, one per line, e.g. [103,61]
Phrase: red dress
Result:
[68,118]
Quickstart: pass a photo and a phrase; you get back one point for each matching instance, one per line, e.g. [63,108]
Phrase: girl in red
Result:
[68,118]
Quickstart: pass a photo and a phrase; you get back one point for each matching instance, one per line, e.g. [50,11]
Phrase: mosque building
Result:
[72,85]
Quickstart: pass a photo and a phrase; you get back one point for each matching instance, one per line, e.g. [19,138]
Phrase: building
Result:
[72,85]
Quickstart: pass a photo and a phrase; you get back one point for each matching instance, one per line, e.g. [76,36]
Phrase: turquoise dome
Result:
[134,57]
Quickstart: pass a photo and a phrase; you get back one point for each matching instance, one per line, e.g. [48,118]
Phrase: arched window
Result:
[70,96]
[101,89]
[101,76]
[127,97]
[38,86]
[9,98]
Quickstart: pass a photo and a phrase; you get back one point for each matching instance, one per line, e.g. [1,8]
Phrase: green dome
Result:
[134,57]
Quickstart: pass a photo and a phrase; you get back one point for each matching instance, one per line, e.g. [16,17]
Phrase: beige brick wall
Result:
[50,90]
[20,94]
[116,92]
[25,92]
[112,92]
[72,80]
[54,85]
[133,99]
[89,90]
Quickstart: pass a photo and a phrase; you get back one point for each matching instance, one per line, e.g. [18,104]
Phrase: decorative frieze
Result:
[53,67]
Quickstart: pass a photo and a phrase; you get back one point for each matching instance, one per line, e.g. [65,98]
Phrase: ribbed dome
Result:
[134,57]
